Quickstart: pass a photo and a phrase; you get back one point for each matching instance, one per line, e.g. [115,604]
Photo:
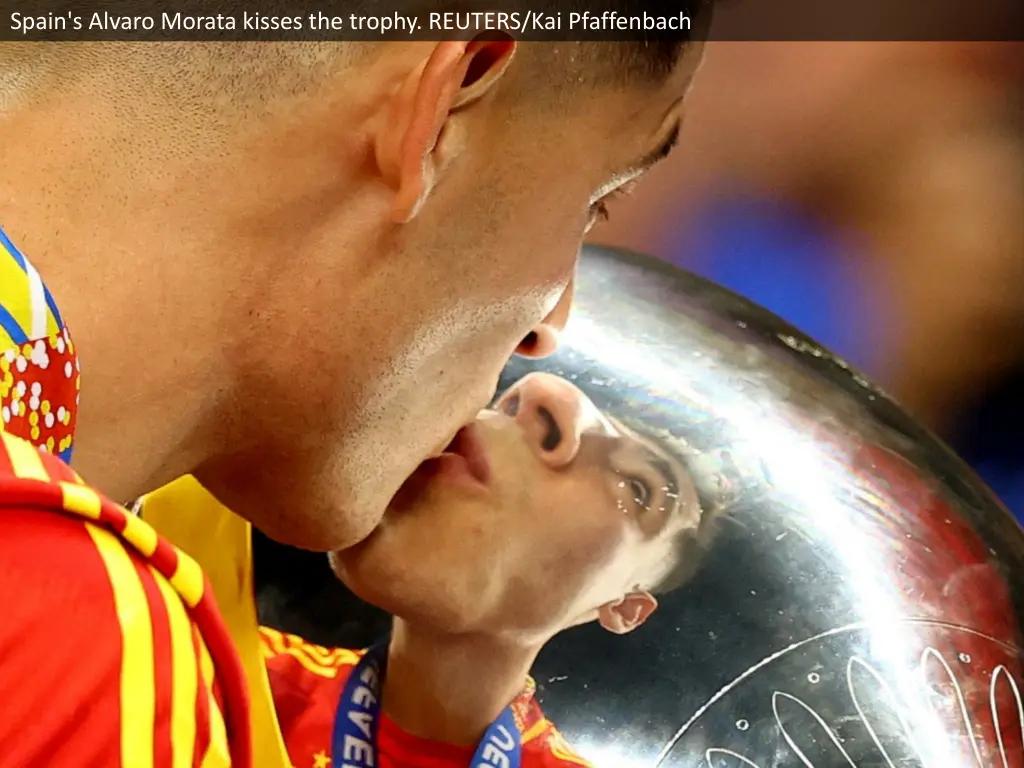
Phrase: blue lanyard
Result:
[354,741]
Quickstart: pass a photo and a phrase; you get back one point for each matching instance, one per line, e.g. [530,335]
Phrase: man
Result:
[545,516]
[301,204]
[269,229]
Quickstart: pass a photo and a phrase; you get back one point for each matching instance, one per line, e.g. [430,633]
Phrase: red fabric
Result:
[61,704]
[62,638]
[306,681]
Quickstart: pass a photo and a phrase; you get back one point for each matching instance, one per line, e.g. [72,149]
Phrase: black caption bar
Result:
[552,20]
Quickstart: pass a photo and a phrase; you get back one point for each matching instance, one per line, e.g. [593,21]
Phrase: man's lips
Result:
[468,446]
[463,462]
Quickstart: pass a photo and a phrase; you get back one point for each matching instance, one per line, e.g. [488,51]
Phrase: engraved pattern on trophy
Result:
[948,707]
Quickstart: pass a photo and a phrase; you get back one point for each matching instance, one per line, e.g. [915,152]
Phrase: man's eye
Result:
[598,212]
[599,209]
[641,492]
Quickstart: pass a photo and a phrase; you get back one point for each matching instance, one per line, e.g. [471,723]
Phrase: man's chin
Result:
[298,512]
[336,560]
[345,566]
[314,537]
[347,559]
[299,537]
[354,568]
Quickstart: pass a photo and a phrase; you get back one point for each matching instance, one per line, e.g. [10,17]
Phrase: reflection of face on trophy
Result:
[832,585]
[542,514]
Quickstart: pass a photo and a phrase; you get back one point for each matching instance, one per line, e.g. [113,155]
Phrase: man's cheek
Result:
[554,257]
[558,216]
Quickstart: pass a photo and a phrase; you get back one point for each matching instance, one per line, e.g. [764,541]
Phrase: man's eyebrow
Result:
[662,151]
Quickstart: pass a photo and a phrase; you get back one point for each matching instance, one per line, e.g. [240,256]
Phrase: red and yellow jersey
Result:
[112,650]
[221,542]
[39,373]
[307,682]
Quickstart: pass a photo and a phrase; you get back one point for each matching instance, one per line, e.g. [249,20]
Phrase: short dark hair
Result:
[690,547]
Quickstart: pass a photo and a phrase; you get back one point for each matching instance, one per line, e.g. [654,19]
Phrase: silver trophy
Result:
[853,592]
[855,600]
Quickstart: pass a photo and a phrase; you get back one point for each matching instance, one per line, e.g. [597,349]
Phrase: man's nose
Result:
[543,340]
[553,413]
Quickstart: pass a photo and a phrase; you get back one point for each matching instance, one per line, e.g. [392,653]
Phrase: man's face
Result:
[544,514]
[484,254]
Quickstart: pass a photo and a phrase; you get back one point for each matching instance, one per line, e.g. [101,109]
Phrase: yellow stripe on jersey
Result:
[217,755]
[188,579]
[560,749]
[342,660]
[321,661]
[81,500]
[142,536]
[184,677]
[25,459]
[187,515]
[535,730]
[84,501]
[272,640]
[138,687]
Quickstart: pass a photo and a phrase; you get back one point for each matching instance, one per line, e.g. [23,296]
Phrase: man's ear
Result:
[627,613]
[454,75]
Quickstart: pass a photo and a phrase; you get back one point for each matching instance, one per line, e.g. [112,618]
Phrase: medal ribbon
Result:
[354,740]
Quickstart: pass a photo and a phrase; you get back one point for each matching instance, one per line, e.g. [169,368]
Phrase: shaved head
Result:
[251,75]
[246,75]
